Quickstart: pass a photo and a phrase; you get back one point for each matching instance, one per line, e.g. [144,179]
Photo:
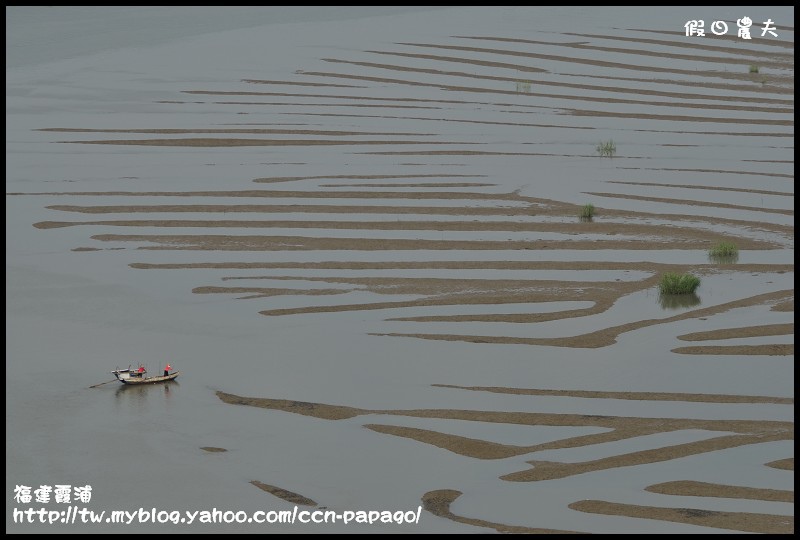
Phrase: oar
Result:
[101,384]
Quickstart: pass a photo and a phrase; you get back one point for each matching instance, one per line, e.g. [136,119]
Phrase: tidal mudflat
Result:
[404,257]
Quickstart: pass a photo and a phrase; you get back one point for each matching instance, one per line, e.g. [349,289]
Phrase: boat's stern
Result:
[122,375]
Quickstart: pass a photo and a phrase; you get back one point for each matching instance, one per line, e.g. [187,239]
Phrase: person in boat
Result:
[167,370]
[141,370]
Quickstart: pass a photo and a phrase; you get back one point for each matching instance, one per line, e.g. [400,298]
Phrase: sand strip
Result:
[438,503]
[736,521]
[639,396]
[284,494]
[691,488]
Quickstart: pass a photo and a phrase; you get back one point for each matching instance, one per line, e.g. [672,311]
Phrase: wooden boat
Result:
[140,376]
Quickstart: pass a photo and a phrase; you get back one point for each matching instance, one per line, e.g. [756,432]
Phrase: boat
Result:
[140,376]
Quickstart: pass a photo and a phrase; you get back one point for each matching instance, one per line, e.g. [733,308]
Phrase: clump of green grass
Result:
[753,68]
[524,87]
[724,249]
[674,283]
[607,148]
[587,212]
[724,252]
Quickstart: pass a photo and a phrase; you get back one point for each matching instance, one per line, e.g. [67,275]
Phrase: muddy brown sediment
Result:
[250,131]
[538,83]
[458,445]
[746,432]
[554,126]
[785,464]
[710,188]
[227,142]
[638,396]
[417,185]
[718,171]
[550,470]
[465,79]
[691,488]
[265,292]
[645,266]
[585,61]
[285,494]
[438,503]
[784,306]
[775,349]
[317,410]
[209,242]
[689,202]
[608,336]
[276,179]
[747,331]
[735,521]
[783,59]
